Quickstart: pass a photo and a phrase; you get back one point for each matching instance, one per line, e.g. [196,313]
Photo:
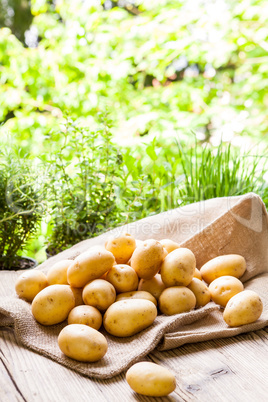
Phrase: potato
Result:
[136,294]
[165,253]
[87,315]
[77,292]
[147,258]
[30,283]
[138,243]
[82,343]
[197,274]
[201,292]
[128,317]
[57,274]
[123,278]
[91,264]
[169,245]
[53,304]
[229,264]
[176,299]
[104,275]
[155,285]
[223,288]
[151,379]
[99,293]
[121,246]
[178,267]
[243,308]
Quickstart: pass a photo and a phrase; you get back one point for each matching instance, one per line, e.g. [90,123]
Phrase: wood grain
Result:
[231,369]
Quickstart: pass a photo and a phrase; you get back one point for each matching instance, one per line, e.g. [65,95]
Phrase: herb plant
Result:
[95,185]
[83,181]
[166,174]
[20,207]
[211,172]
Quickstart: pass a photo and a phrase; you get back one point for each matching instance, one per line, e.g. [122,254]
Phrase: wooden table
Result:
[231,369]
[223,370]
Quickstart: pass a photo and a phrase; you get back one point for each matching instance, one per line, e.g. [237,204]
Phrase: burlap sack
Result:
[211,228]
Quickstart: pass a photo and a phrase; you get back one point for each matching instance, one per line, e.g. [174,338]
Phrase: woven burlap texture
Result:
[210,228]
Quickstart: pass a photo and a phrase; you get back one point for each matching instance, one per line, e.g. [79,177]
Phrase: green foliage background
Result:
[164,70]
[160,67]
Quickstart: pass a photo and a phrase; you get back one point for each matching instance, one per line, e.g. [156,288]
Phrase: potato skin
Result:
[223,288]
[178,267]
[197,274]
[150,379]
[99,293]
[121,246]
[155,285]
[87,315]
[123,278]
[201,292]
[30,283]
[82,343]
[136,294]
[165,253]
[91,264]
[147,258]
[57,274]
[53,304]
[243,308]
[176,299]
[229,264]
[77,292]
[169,245]
[128,317]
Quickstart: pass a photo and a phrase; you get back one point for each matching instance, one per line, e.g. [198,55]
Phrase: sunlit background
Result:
[160,67]
[174,77]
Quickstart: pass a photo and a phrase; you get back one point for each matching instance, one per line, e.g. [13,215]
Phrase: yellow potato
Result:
[155,285]
[223,288]
[57,274]
[178,267]
[243,308]
[176,299]
[122,247]
[201,292]
[128,317]
[99,293]
[77,292]
[53,304]
[91,264]
[197,274]
[136,294]
[229,264]
[104,275]
[147,258]
[87,315]
[30,283]
[82,343]
[123,278]
[165,253]
[169,245]
[138,243]
[151,379]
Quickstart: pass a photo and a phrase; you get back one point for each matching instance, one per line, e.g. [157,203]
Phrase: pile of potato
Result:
[125,284]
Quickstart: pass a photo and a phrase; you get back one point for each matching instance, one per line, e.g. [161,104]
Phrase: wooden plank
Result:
[9,391]
[41,380]
[231,369]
